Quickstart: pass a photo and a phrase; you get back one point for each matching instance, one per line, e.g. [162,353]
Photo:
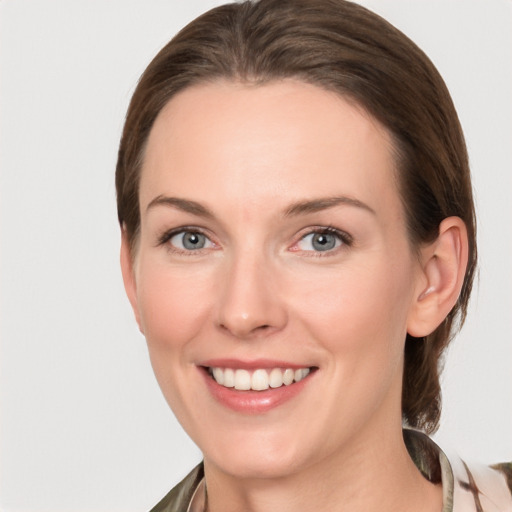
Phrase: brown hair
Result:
[342,47]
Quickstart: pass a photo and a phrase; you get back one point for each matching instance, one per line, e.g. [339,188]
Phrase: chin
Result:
[257,467]
[265,455]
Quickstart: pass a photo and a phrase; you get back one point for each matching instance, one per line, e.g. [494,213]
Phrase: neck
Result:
[369,476]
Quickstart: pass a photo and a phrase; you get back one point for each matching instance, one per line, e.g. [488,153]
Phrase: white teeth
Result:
[301,373]
[242,380]
[276,378]
[218,374]
[259,380]
[288,376]
[229,378]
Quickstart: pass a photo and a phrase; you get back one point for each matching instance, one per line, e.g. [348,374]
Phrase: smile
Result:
[258,380]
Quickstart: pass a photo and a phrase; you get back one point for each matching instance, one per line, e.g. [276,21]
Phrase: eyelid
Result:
[167,235]
[345,238]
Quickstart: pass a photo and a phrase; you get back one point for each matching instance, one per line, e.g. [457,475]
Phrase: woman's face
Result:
[273,247]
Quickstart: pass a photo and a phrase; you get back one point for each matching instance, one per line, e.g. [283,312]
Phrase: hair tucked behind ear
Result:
[423,360]
[342,47]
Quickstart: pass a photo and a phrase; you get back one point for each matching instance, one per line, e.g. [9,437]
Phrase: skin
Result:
[260,289]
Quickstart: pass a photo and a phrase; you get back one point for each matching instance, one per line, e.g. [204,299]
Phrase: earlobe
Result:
[444,264]
[128,272]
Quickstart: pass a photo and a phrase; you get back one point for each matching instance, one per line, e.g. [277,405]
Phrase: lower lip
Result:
[253,402]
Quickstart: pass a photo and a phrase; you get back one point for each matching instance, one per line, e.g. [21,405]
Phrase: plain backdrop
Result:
[83,424]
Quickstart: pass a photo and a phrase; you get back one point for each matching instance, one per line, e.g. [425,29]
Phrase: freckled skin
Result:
[259,289]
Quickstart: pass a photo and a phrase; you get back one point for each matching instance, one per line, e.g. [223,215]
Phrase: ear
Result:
[128,271]
[443,265]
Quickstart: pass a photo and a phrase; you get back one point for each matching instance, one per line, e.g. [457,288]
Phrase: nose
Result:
[251,304]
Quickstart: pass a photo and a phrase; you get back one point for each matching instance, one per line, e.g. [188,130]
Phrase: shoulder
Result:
[481,488]
[179,497]
[466,487]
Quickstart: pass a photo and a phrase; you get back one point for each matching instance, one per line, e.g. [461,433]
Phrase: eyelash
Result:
[168,235]
[345,239]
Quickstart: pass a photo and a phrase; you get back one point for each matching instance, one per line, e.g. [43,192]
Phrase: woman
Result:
[298,246]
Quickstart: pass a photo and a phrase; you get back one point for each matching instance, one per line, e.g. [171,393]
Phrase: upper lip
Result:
[253,364]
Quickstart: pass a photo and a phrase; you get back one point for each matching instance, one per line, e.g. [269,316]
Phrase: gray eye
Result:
[193,240]
[190,240]
[323,241]
[319,242]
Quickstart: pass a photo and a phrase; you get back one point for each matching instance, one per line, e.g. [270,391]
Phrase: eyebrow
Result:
[185,205]
[323,203]
[299,208]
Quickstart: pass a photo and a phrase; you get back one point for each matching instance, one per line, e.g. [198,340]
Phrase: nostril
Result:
[244,331]
[262,328]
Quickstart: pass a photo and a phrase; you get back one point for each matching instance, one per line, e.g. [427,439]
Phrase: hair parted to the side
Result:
[342,47]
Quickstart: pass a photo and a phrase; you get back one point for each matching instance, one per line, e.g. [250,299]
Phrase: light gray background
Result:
[83,424]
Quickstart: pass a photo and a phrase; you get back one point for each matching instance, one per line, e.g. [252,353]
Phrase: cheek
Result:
[361,310]
[171,304]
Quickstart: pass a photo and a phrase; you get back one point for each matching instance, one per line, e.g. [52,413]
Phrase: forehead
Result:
[279,141]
